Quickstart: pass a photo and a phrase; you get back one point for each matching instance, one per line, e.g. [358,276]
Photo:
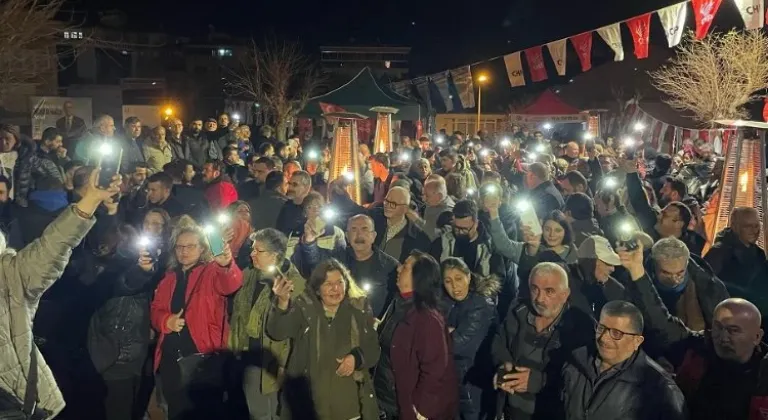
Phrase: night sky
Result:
[442,33]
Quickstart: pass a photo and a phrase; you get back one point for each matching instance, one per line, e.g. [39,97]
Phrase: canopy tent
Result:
[361,94]
[550,108]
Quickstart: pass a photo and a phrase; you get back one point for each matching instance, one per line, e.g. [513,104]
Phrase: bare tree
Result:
[280,77]
[715,77]
[29,32]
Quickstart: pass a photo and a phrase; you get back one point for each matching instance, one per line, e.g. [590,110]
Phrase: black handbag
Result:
[12,408]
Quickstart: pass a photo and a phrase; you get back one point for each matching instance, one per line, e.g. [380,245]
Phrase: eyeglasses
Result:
[392,204]
[184,248]
[615,334]
[464,230]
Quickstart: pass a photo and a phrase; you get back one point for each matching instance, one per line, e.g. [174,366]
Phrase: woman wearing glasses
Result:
[262,359]
[189,311]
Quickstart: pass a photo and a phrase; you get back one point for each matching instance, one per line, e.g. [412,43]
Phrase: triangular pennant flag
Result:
[752,13]
[462,80]
[673,21]
[536,63]
[557,51]
[704,11]
[583,45]
[441,82]
[611,34]
[639,28]
[514,69]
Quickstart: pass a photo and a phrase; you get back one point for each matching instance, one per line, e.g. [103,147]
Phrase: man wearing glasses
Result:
[400,236]
[618,380]
[721,371]
[690,290]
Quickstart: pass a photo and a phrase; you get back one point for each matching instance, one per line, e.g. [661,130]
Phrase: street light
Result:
[168,112]
[480,80]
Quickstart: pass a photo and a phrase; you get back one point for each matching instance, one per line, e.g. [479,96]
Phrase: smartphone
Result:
[215,240]
[500,372]
[626,236]
[528,217]
[110,157]
[589,145]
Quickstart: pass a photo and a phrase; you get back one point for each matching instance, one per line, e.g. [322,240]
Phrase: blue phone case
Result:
[217,243]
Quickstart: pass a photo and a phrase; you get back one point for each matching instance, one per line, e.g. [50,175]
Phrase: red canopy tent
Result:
[548,107]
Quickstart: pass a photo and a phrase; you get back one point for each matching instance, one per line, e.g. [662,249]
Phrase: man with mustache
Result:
[373,269]
[721,371]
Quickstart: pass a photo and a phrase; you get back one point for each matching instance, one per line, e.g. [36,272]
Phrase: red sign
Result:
[704,11]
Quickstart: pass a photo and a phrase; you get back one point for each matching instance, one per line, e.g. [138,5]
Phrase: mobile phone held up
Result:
[110,156]
[215,239]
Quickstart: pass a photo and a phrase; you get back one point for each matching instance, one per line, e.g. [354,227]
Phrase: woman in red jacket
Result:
[421,351]
[190,312]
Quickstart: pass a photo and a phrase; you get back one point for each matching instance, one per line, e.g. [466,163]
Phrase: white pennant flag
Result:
[611,34]
[752,13]
[557,51]
[673,20]
[514,69]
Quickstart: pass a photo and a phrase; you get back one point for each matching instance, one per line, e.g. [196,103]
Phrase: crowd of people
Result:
[223,274]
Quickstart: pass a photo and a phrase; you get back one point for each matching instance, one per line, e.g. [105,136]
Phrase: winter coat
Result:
[381,285]
[249,323]
[201,149]
[332,241]
[317,344]
[743,269]
[473,319]
[46,165]
[736,392]
[573,329]
[118,334]
[192,200]
[708,290]
[424,371]
[157,156]
[44,207]
[220,193]
[22,171]
[638,389]
[179,149]
[485,263]
[206,309]
[546,198]
[415,238]
[25,277]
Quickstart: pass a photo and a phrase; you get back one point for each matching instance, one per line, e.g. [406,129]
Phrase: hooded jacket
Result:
[220,193]
[583,229]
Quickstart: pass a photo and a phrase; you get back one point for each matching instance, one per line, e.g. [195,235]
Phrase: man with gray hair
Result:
[437,202]
[103,130]
[619,381]
[686,284]
[530,348]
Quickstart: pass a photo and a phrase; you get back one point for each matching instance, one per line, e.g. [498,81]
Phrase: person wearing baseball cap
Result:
[591,283]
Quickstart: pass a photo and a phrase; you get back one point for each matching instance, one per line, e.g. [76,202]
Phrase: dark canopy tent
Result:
[361,94]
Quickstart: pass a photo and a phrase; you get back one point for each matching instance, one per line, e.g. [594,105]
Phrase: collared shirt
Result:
[393,230]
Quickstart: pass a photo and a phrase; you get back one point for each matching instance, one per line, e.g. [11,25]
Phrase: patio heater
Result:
[743,180]
[382,140]
[345,153]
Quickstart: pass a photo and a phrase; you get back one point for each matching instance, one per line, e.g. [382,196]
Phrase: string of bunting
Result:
[456,88]
[668,138]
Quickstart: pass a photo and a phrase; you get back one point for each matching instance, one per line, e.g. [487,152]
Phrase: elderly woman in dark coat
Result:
[470,315]
[334,346]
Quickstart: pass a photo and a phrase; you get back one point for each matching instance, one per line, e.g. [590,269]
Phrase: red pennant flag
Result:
[330,108]
[583,45]
[639,27]
[536,63]
[765,110]
[704,11]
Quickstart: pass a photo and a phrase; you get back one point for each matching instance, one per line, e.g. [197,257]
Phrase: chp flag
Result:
[514,69]
[557,51]
[752,13]
[673,21]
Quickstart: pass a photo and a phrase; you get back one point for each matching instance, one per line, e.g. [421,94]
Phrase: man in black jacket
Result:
[723,374]
[738,260]
[530,347]
[373,269]
[618,380]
